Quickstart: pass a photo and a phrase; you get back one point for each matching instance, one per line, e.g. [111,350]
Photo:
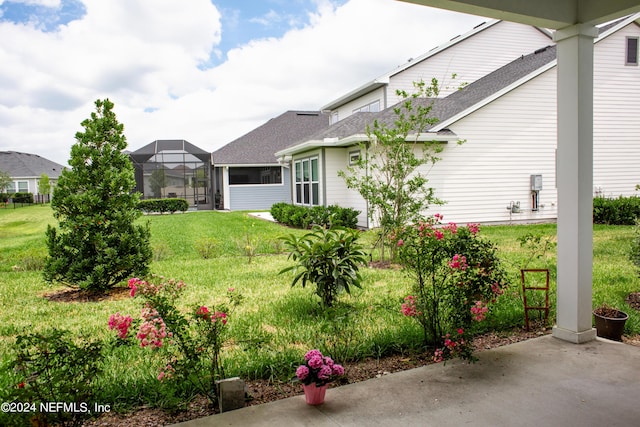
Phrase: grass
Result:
[276,323]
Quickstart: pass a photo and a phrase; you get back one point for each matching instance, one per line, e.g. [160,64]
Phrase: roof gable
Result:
[25,165]
[143,154]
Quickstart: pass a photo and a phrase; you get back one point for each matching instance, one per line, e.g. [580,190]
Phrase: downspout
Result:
[324,176]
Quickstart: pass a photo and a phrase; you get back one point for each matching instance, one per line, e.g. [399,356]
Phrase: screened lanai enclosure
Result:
[174,168]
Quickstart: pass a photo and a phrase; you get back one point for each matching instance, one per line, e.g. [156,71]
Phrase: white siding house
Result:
[509,122]
[470,56]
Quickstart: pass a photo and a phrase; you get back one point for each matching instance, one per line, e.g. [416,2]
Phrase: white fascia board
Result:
[620,25]
[446,123]
[357,93]
[307,145]
[354,139]
[317,143]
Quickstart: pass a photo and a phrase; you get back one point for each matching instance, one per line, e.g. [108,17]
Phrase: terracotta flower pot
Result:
[314,394]
[610,323]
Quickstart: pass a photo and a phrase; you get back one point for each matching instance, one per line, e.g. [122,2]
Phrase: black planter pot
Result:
[610,326]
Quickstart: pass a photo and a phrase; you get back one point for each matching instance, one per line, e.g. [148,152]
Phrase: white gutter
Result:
[285,155]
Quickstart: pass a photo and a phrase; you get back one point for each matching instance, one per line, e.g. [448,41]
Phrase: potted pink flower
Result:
[315,374]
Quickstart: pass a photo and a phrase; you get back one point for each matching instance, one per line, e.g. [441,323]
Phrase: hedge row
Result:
[620,211]
[17,197]
[163,205]
[304,217]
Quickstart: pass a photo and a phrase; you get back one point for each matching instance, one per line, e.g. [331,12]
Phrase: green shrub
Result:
[620,211]
[163,205]
[329,258]
[305,217]
[22,198]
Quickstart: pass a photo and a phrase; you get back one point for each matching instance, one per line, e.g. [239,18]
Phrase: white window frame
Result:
[628,51]
[372,107]
[306,187]
[354,157]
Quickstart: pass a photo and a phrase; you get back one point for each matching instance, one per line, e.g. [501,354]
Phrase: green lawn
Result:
[275,324]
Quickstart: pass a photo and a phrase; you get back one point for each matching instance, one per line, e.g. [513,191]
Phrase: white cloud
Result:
[148,55]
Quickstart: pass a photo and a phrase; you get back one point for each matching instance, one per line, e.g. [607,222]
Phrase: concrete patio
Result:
[540,382]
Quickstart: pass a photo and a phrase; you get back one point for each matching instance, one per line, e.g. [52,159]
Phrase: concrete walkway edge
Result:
[539,382]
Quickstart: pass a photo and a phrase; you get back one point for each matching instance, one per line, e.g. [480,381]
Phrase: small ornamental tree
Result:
[388,174]
[44,186]
[97,243]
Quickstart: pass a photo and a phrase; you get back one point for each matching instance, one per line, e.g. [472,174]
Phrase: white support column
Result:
[574,174]
[226,193]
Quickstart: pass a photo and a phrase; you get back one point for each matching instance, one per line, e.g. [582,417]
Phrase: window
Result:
[334,118]
[255,175]
[354,157]
[18,187]
[632,51]
[372,107]
[307,182]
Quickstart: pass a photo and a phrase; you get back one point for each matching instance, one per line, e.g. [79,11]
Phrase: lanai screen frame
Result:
[186,172]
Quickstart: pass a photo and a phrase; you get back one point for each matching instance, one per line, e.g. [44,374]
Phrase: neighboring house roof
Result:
[385,78]
[258,146]
[25,165]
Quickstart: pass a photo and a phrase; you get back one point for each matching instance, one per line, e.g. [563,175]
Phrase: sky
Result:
[207,71]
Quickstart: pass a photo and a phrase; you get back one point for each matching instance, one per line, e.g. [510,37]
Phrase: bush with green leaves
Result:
[616,211]
[97,243]
[26,198]
[456,277]
[634,253]
[329,258]
[305,217]
[170,205]
[52,367]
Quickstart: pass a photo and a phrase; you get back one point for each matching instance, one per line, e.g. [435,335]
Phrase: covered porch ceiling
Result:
[553,14]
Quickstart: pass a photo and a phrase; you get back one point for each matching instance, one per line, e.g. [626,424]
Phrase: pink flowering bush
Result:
[188,345]
[318,369]
[456,276]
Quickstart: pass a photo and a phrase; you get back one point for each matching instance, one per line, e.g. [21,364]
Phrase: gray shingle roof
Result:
[259,145]
[25,165]
[455,103]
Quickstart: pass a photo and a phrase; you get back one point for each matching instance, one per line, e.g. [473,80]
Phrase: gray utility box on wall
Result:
[536,182]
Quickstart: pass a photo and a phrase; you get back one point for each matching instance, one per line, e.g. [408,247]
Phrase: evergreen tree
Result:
[97,243]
